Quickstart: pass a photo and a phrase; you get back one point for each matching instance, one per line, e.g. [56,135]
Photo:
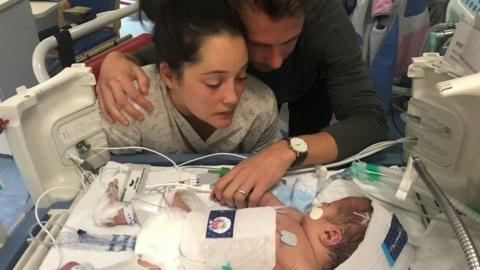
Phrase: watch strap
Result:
[301,156]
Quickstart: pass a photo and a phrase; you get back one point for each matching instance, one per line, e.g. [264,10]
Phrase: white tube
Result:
[393,176]
[3,234]
[40,52]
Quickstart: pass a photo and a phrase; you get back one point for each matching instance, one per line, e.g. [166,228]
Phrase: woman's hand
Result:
[115,89]
[247,182]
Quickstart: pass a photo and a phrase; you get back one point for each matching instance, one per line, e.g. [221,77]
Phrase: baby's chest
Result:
[292,247]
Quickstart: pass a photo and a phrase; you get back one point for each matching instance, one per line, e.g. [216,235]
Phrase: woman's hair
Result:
[181,26]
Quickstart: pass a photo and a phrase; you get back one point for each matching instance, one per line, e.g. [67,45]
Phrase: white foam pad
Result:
[371,253]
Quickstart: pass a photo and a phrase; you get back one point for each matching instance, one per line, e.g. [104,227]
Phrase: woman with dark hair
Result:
[204,100]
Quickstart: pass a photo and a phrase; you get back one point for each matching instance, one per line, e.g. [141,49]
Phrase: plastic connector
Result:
[207,178]
[322,176]
[222,171]
[366,171]
[408,179]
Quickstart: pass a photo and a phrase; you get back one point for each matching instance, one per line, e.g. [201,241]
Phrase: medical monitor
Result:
[46,125]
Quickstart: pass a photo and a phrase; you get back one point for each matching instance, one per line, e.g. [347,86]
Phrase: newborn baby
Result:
[271,236]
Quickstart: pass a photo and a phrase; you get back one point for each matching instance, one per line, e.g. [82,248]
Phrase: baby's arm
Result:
[110,211]
[269,199]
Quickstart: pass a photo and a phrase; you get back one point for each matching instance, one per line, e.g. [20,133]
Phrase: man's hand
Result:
[115,87]
[247,182]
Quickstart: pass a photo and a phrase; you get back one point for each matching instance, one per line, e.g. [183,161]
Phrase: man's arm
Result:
[352,98]
[116,90]
[145,56]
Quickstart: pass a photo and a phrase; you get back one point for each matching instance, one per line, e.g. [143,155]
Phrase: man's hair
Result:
[149,7]
[275,9]
[353,228]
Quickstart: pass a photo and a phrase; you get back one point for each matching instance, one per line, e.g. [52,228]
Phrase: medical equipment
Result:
[316,212]
[462,10]
[391,178]
[58,127]
[466,241]
[288,238]
[16,20]
[38,59]
[375,173]
[442,116]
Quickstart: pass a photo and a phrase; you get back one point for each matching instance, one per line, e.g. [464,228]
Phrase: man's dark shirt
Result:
[327,65]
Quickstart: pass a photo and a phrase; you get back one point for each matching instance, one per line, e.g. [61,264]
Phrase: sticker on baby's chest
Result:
[220,224]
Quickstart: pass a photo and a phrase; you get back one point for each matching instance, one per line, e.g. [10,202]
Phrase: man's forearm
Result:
[132,58]
[322,149]
[146,55]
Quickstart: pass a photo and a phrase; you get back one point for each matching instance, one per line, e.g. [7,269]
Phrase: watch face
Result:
[298,144]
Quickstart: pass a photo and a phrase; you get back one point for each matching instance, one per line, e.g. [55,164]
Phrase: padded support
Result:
[65,48]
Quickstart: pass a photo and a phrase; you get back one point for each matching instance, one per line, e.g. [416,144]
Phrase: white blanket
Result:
[439,249]
[81,217]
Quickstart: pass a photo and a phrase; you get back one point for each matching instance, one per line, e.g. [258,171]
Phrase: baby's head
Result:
[336,229]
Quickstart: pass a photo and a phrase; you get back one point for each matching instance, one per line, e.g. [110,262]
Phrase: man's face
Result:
[269,41]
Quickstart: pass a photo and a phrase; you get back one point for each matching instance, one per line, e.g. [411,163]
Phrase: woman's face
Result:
[210,89]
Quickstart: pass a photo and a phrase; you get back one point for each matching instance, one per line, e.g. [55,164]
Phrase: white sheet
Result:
[439,249]
[81,217]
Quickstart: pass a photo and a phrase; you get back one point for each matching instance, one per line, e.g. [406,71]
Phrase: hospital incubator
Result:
[55,135]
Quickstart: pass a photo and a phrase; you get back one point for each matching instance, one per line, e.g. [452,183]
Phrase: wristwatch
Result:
[300,147]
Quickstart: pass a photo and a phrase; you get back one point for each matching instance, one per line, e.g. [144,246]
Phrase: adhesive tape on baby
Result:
[316,213]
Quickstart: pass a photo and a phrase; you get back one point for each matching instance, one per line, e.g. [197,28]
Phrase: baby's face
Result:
[326,211]
[318,227]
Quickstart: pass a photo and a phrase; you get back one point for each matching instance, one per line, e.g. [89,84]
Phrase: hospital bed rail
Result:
[40,52]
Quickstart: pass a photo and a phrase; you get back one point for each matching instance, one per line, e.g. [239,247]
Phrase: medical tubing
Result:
[145,149]
[368,172]
[374,171]
[212,155]
[468,247]
[467,211]
[37,218]
[370,150]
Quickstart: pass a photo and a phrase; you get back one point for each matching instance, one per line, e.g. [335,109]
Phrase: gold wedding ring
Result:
[243,192]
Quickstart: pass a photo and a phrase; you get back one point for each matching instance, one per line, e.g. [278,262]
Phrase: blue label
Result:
[394,241]
[220,224]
